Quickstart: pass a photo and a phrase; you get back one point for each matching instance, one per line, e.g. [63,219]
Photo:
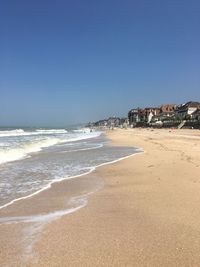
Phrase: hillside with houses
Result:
[186,115]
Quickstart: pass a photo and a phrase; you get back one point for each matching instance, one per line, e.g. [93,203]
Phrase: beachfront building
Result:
[123,123]
[135,116]
[196,115]
[149,113]
[186,111]
[141,117]
[113,122]
[167,113]
[101,123]
[167,109]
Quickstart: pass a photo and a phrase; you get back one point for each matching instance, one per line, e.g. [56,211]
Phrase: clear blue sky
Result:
[64,62]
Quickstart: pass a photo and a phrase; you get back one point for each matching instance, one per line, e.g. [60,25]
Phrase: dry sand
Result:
[147,214]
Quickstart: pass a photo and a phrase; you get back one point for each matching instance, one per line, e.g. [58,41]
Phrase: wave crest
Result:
[20,132]
[8,154]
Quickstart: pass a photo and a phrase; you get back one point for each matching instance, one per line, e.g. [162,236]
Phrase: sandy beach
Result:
[145,213]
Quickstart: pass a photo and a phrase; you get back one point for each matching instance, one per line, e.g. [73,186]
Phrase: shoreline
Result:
[136,210]
[64,197]
[93,169]
[54,182]
[48,186]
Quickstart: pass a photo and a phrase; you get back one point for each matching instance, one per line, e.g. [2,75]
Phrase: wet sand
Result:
[147,213]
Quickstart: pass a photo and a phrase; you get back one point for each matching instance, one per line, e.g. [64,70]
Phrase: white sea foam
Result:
[20,132]
[78,203]
[12,154]
[35,224]
[51,131]
[82,149]
[90,170]
[8,154]
[12,133]
[82,130]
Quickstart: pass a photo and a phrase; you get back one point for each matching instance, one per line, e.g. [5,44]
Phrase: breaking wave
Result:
[12,154]
[20,132]
[22,147]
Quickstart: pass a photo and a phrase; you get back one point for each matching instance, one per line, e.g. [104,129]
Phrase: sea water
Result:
[32,159]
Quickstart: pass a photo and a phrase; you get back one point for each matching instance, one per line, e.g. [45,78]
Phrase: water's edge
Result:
[59,213]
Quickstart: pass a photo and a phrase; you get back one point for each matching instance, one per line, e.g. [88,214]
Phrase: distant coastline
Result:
[185,115]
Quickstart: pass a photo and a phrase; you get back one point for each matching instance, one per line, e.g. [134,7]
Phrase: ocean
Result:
[32,159]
